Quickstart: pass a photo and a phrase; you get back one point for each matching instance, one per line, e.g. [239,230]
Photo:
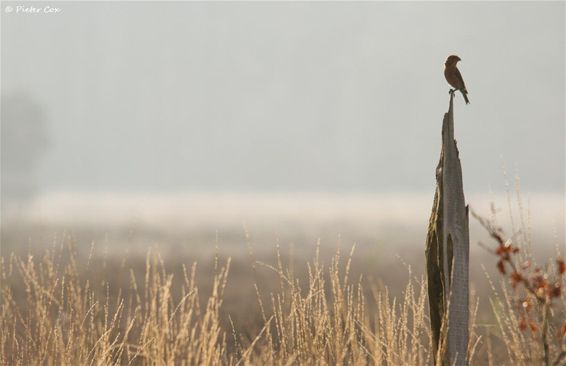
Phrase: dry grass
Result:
[63,319]
[328,321]
[54,311]
[60,307]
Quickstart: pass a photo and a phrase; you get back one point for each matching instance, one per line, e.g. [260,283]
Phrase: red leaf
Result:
[522,324]
[561,266]
[554,291]
[501,266]
[515,278]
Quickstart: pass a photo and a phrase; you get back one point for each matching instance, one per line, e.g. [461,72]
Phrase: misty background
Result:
[133,101]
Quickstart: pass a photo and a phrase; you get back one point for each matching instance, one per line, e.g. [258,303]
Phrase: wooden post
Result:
[447,254]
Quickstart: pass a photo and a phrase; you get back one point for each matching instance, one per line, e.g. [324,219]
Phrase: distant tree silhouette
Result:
[23,141]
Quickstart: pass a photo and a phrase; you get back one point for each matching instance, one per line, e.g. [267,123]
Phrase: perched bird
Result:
[453,76]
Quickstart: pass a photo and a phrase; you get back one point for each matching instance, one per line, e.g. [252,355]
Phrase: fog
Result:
[111,105]
[178,96]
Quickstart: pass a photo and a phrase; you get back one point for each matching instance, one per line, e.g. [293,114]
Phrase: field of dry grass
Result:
[339,295]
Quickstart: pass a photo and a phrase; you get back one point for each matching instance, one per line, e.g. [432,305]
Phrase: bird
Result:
[453,76]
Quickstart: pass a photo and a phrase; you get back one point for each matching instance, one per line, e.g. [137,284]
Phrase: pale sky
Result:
[161,97]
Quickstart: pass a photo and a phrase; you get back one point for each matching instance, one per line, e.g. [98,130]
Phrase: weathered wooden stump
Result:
[447,254]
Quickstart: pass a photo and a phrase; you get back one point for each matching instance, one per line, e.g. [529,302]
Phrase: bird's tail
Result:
[465,94]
